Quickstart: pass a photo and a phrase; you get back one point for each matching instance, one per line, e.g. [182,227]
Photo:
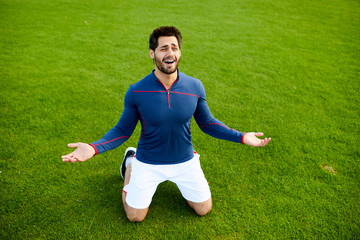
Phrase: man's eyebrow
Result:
[172,44]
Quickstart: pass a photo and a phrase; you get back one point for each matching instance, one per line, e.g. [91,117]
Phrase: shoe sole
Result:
[123,168]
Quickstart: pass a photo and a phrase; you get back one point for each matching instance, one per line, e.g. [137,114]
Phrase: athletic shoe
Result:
[129,152]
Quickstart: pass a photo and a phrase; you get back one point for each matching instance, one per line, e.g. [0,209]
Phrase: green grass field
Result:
[288,68]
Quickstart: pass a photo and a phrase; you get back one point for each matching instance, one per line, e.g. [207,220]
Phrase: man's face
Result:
[167,55]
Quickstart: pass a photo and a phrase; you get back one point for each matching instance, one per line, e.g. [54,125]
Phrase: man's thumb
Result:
[259,134]
[72,145]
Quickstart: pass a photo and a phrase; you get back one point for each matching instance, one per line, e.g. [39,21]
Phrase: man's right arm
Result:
[118,134]
[123,129]
[113,138]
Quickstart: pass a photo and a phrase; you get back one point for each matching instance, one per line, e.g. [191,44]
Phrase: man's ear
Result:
[152,53]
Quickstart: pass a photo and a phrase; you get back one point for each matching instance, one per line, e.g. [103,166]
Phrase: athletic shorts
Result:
[145,178]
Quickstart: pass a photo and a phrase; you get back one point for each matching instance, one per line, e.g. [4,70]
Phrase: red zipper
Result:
[168,90]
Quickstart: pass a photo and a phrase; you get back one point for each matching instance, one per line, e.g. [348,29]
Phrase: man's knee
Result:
[134,214]
[133,217]
[203,208]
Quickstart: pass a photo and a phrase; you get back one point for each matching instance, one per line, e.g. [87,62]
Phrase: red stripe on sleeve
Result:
[96,151]
[215,124]
[111,140]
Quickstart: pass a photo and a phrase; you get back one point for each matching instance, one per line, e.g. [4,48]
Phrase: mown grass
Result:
[287,68]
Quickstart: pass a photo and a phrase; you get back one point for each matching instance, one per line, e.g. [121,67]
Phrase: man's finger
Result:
[73,159]
[267,140]
[67,159]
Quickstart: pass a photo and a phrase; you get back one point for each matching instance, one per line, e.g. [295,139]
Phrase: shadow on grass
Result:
[105,193]
[169,202]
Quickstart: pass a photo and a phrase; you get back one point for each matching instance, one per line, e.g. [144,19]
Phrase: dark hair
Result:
[164,31]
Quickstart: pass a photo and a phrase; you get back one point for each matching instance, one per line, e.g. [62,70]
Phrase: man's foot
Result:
[129,153]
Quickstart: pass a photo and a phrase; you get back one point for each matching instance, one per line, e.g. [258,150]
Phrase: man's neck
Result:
[166,79]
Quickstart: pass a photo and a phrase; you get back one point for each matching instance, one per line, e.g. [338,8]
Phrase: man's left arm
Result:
[210,125]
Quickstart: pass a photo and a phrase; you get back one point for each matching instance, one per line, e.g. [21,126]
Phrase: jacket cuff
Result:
[96,151]
[242,139]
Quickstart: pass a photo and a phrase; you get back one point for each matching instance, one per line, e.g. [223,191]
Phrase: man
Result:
[164,102]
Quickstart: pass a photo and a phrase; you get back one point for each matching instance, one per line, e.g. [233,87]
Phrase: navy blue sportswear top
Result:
[165,116]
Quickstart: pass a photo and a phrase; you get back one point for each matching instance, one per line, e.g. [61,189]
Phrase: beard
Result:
[163,67]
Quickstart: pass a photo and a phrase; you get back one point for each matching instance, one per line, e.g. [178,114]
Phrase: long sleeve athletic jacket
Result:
[165,116]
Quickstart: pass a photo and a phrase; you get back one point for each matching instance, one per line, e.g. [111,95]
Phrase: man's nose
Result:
[170,52]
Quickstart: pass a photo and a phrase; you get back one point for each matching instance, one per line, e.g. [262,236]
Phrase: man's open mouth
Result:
[169,61]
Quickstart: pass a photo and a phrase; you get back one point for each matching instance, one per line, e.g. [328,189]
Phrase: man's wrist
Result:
[94,149]
[243,138]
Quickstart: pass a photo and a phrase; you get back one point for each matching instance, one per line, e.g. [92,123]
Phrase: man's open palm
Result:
[253,140]
[82,153]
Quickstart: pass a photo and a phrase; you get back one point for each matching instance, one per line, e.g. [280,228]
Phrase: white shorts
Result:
[145,178]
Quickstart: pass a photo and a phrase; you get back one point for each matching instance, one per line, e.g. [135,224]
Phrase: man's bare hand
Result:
[252,140]
[82,153]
